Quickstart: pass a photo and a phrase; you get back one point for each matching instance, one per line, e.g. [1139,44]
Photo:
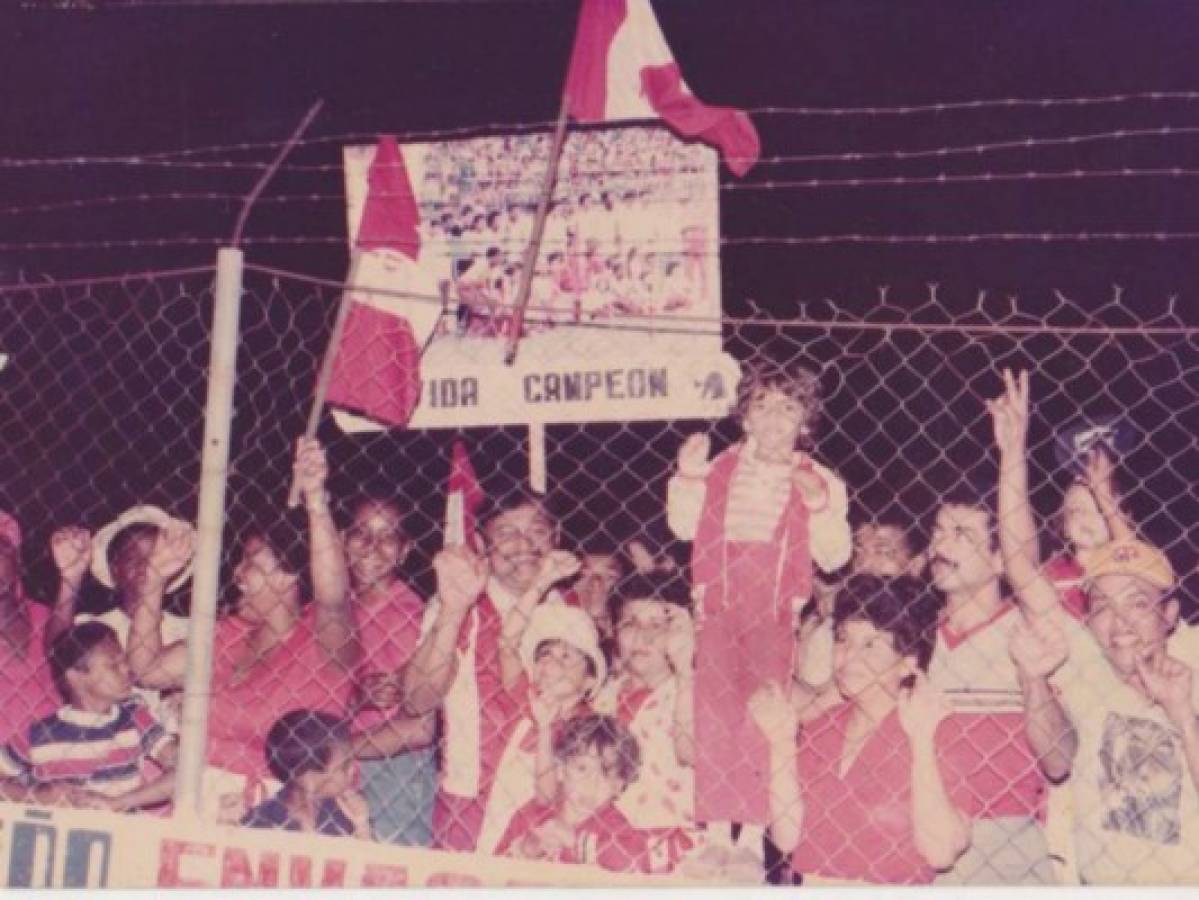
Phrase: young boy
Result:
[118,558]
[92,751]
[760,516]
[562,667]
[596,758]
[310,753]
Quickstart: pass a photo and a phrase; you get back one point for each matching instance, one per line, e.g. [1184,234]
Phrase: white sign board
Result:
[55,848]
[623,321]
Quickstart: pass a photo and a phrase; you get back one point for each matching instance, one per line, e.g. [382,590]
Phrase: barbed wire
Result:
[941,178]
[1021,143]
[497,127]
[734,241]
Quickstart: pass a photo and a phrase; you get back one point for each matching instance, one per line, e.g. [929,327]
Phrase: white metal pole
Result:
[214,465]
[538,479]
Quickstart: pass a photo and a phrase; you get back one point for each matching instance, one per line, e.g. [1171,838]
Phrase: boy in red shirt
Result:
[596,759]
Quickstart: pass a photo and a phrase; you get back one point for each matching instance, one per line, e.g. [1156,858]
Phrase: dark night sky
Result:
[123,80]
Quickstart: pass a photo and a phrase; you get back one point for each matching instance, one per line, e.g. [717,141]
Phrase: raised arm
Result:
[1017,528]
[1039,647]
[686,489]
[330,581]
[395,736]
[940,831]
[1100,475]
[71,548]
[461,575]
[828,501]
[152,664]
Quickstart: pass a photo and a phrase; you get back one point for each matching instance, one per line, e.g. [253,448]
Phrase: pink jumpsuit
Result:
[745,638]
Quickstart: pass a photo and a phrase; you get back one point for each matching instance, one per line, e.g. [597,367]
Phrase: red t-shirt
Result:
[1066,575]
[389,632]
[297,674]
[859,826]
[606,839]
[28,693]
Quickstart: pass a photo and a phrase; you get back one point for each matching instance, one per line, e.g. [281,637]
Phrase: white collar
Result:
[86,719]
[501,597]
[749,455]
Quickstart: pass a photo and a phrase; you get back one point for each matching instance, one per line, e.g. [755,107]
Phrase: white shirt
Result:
[663,796]
[1136,810]
[829,535]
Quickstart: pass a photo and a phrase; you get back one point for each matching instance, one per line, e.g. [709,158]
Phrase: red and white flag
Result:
[622,68]
[377,368]
[462,498]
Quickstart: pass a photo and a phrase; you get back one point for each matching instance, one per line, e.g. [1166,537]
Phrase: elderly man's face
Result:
[517,541]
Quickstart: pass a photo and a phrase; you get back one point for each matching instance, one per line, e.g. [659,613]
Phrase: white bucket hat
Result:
[136,515]
[559,622]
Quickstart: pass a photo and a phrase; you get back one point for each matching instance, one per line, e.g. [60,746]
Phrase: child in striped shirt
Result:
[759,514]
[91,752]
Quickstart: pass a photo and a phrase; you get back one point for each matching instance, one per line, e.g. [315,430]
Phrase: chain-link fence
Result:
[102,410]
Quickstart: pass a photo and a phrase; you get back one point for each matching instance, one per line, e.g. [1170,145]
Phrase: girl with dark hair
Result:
[859,792]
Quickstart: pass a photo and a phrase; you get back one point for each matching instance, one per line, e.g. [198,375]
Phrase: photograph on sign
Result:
[623,315]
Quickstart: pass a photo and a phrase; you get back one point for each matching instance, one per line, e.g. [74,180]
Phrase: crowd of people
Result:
[809,697]
[619,238]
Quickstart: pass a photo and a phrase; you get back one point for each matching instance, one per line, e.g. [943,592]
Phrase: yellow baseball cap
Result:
[1130,557]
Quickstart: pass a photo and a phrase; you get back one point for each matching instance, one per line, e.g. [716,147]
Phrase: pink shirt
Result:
[389,632]
[859,826]
[28,693]
[297,674]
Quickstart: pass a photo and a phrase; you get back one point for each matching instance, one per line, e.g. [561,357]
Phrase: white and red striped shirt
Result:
[104,752]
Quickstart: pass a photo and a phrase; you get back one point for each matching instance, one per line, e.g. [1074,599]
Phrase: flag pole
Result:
[326,371]
[537,471]
[537,478]
[534,246]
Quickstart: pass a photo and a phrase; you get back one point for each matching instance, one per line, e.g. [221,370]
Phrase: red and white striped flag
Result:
[377,368]
[462,498]
[622,68]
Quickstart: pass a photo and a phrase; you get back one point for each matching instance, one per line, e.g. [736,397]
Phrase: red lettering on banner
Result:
[170,857]
[452,879]
[299,872]
[236,870]
[384,875]
[335,873]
